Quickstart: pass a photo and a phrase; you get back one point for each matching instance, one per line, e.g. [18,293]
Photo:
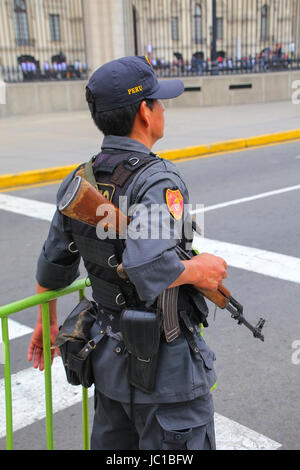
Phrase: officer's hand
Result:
[35,349]
[207,271]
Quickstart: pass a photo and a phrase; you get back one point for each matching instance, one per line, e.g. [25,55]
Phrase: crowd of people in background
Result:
[57,69]
[269,59]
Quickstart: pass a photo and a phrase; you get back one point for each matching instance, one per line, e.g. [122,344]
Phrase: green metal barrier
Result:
[7,310]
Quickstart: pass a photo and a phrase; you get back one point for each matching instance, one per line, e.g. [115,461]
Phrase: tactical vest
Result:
[111,172]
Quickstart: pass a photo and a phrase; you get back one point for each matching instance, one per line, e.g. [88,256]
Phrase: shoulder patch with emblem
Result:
[174,200]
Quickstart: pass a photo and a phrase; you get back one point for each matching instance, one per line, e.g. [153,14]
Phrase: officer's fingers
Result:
[30,352]
[37,357]
[41,361]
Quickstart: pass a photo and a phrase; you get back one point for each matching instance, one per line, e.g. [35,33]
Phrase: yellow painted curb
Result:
[206,149]
[35,176]
[226,146]
[58,173]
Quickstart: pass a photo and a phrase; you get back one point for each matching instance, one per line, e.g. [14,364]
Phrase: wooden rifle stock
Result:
[82,202]
[86,204]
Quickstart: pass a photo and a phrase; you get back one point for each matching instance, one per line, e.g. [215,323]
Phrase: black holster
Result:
[141,333]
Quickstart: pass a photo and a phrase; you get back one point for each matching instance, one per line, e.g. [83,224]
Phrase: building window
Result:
[219,28]
[54,27]
[174,28]
[264,32]
[21,23]
[198,23]
[174,21]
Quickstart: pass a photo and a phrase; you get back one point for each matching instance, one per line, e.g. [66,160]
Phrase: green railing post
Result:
[42,299]
[85,419]
[48,382]
[85,406]
[7,381]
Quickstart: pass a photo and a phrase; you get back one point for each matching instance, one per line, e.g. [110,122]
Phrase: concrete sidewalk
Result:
[49,140]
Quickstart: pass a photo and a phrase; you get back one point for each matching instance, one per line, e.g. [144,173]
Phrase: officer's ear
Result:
[90,100]
[144,113]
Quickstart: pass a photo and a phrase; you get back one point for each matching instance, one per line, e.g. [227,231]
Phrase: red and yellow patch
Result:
[174,201]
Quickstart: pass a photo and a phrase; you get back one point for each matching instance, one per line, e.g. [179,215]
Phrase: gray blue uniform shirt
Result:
[152,265]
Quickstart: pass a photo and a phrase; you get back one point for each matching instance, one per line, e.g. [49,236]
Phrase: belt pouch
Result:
[141,334]
[74,342]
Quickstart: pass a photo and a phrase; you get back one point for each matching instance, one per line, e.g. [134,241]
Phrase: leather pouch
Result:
[141,333]
[75,344]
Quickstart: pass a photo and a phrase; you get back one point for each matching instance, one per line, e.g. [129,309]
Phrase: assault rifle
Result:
[81,202]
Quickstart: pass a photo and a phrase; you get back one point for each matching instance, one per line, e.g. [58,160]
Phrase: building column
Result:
[106,27]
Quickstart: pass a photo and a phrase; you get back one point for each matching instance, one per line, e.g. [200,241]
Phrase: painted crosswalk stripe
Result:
[28,395]
[246,199]
[28,207]
[264,262]
[16,330]
[29,407]
[231,435]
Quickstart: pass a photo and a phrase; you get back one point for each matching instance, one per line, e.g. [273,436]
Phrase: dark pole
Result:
[135,38]
[214,38]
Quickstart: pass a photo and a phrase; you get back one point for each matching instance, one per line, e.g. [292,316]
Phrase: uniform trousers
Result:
[121,426]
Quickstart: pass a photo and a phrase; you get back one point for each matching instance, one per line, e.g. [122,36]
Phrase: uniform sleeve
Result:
[57,267]
[149,257]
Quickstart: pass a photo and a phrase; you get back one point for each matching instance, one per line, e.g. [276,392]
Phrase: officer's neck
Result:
[147,139]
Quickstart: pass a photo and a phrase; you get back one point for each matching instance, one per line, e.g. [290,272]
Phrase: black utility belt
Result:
[137,331]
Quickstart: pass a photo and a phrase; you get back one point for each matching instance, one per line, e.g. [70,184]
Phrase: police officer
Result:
[163,402]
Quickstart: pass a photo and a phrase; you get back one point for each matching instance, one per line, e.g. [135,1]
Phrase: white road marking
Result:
[28,395]
[255,260]
[15,330]
[233,436]
[29,207]
[29,407]
[246,199]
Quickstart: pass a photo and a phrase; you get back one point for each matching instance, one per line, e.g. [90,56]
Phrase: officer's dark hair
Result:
[118,121]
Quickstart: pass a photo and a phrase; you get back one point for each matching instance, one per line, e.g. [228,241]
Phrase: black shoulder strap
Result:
[123,171]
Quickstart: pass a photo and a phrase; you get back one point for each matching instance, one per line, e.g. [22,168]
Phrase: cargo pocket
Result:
[187,426]
[203,438]
[206,354]
[176,440]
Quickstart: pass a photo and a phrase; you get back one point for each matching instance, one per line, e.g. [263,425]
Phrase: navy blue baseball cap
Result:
[128,81]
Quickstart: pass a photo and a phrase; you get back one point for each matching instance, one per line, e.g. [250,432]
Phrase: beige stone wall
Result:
[34,98]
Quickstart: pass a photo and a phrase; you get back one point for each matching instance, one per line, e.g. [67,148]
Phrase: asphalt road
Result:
[258,383]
